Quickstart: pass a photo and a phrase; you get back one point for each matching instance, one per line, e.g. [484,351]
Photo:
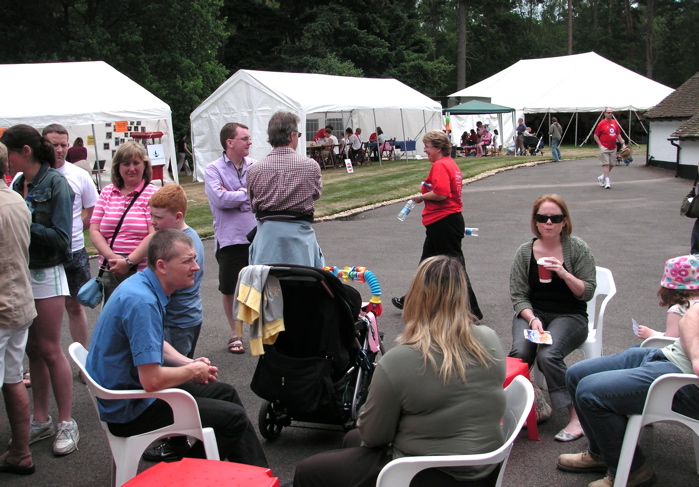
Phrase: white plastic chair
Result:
[592,347]
[658,408]
[658,342]
[126,452]
[520,397]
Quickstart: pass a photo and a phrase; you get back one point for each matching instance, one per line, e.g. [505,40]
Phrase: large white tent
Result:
[580,83]
[251,97]
[88,98]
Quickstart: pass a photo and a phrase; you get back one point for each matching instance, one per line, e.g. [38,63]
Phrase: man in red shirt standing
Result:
[606,135]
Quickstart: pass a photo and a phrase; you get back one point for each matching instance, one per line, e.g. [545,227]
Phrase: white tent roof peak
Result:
[76,93]
[318,93]
[584,82]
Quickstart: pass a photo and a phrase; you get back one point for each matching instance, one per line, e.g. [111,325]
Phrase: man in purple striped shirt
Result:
[226,188]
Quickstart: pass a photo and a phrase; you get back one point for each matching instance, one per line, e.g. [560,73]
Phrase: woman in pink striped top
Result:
[131,173]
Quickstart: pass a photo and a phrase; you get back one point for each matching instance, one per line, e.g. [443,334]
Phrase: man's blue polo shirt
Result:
[129,333]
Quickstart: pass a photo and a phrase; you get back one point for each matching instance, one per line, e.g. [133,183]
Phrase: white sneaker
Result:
[67,438]
[40,431]
[607,184]
[600,178]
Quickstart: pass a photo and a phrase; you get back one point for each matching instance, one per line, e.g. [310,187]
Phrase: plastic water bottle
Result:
[471,232]
[406,210]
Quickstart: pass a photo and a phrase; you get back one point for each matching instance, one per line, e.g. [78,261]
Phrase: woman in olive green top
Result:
[557,305]
[439,392]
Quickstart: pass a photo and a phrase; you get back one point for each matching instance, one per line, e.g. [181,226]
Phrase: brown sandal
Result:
[10,464]
[235,345]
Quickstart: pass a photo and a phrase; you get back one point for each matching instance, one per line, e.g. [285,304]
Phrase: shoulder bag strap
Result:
[118,227]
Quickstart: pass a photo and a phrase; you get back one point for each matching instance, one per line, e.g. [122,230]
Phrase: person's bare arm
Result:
[118,264]
[431,196]
[100,242]
[689,336]
[153,377]
[672,327]
[87,214]
[599,144]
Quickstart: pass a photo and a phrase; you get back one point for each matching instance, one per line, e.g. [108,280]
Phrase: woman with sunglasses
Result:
[558,306]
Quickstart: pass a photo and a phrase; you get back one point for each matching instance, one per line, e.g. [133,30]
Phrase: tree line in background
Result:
[182,50]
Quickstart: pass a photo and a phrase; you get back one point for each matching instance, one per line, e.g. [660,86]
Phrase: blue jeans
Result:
[184,340]
[554,150]
[568,332]
[606,390]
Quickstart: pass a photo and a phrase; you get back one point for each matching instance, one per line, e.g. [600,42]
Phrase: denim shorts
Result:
[77,271]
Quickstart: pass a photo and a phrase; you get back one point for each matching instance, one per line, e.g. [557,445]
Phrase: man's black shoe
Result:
[398,302]
[170,450]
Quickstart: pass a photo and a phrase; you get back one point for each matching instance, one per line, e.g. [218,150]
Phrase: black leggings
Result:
[444,237]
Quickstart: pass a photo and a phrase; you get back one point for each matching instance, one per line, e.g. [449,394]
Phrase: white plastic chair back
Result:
[126,452]
[658,408]
[592,347]
[520,397]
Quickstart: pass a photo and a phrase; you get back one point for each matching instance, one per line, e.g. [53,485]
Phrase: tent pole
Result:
[98,176]
[630,114]
[514,134]
[377,140]
[424,128]
[576,129]
[501,131]
[405,142]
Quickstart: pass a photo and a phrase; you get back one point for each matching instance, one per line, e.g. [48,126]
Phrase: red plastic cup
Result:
[544,273]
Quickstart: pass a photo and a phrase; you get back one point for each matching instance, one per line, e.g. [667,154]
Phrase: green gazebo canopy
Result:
[475,107]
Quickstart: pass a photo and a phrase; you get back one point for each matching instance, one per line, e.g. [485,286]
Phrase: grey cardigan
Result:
[577,257]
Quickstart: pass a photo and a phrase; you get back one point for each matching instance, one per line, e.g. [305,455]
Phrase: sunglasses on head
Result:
[544,218]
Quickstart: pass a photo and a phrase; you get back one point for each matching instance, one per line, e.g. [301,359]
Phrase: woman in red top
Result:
[444,223]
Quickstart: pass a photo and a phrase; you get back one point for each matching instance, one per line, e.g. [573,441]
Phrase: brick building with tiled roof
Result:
[674,130]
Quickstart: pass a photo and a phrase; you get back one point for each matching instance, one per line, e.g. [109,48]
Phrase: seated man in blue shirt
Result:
[183,314]
[128,352]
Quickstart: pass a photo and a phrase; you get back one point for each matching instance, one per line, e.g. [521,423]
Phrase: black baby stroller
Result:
[533,145]
[318,370]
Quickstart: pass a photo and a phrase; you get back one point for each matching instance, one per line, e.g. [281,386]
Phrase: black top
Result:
[555,296]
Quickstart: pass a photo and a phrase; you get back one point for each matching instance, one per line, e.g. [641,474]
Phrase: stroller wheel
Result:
[269,421]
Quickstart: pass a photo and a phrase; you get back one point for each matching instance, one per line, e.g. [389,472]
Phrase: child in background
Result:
[678,288]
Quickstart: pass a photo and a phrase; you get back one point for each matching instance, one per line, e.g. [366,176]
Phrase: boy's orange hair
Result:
[171,197]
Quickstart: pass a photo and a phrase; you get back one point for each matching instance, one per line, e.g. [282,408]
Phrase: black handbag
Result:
[690,203]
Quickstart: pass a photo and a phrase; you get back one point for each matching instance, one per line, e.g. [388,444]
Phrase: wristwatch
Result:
[129,263]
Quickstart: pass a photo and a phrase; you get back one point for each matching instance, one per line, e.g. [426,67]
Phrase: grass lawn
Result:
[373,184]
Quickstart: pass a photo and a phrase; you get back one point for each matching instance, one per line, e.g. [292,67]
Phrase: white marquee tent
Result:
[252,97]
[580,83]
[87,98]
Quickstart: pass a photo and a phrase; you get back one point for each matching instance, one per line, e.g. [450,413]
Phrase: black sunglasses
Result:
[544,218]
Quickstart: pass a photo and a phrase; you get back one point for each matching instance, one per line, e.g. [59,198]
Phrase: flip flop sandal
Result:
[10,464]
[235,345]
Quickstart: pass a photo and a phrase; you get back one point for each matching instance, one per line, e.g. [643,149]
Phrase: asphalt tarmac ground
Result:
[632,229]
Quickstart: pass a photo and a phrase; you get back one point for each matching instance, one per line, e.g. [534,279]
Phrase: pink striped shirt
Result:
[107,213]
